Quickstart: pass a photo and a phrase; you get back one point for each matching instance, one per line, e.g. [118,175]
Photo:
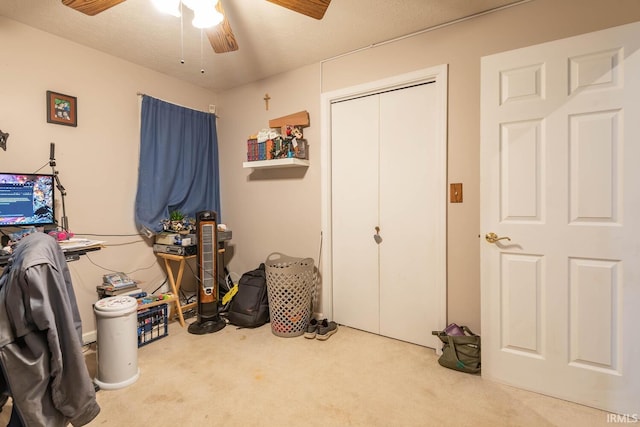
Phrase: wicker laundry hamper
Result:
[289,287]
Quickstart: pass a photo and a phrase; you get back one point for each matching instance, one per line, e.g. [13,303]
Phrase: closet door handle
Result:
[377,237]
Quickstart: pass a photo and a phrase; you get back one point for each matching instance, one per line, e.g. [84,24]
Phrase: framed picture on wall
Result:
[62,109]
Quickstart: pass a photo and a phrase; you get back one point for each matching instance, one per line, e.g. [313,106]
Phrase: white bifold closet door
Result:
[387,222]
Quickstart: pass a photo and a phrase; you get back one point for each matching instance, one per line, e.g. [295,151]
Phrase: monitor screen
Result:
[26,199]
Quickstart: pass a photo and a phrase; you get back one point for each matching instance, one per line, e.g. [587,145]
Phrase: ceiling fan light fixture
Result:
[170,7]
[200,4]
[206,18]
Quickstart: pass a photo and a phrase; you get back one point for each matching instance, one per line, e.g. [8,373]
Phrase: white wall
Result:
[267,211]
[97,160]
[274,210]
[273,227]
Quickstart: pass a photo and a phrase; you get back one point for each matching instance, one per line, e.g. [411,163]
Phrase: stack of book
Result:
[118,284]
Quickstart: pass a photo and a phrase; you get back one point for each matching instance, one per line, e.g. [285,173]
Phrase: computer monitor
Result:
[26,199]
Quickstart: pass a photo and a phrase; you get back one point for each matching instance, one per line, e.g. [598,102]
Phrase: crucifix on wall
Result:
[266,101]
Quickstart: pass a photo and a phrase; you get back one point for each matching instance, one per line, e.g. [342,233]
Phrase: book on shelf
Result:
[130,292]
[133,291]
[124,286]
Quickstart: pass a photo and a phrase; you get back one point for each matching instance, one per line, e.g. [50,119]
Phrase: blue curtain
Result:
[178,164]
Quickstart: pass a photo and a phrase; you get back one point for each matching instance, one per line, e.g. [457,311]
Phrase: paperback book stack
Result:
[118,284]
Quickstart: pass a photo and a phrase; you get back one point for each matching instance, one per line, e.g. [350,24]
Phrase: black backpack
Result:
[250,306]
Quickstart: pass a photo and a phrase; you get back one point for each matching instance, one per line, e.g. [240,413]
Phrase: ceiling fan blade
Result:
[221,37]
[91,7]
[312,8]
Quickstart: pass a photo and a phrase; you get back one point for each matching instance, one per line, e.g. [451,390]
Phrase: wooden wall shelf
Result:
[299,119]
[289,162]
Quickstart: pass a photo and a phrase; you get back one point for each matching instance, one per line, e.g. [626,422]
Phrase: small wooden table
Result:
[175,282]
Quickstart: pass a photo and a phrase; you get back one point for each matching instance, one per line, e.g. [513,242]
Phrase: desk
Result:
[75,254]
[75,247]
[71,249]
[175,281]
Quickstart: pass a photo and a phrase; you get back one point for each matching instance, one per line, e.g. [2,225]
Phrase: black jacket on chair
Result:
[41,338]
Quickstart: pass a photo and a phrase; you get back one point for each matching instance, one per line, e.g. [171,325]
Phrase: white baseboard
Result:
[89,337]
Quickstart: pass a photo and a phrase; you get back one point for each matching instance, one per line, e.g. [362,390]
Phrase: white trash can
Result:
[117,329]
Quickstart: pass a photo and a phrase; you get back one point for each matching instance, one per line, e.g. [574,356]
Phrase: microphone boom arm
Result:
[52,162]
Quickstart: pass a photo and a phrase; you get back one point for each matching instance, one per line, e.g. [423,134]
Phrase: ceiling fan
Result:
[221,36]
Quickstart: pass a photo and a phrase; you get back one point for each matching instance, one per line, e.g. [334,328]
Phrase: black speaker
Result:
[209,319]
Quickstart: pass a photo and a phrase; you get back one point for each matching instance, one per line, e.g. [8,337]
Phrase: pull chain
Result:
[201,51]
[181,35]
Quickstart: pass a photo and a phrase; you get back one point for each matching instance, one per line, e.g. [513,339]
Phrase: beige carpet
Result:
[250,377]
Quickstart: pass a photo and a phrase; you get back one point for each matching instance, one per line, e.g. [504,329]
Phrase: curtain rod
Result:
[212,108]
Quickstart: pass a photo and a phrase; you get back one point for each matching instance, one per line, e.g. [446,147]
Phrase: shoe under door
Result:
[388,252]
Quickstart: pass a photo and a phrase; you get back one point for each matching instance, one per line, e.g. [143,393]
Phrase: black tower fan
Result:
[209,319]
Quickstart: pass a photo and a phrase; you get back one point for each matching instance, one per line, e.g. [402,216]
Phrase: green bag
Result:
[460,352]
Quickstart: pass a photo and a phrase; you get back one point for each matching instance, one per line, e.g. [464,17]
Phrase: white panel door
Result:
[387,213]
[559,177]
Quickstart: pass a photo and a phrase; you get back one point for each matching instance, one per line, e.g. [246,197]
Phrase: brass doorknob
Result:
[493,237]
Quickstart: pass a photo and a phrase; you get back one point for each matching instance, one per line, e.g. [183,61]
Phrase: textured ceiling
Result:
[272,39]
